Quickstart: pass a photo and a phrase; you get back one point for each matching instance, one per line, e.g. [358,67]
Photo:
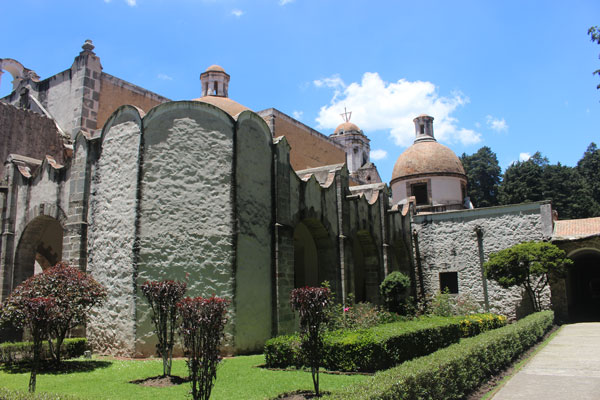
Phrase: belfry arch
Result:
[583,285]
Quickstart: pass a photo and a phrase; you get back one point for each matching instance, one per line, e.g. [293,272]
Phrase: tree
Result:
[202,325]
[163,297]
[483,177]
[394,290]
[594,33]
[74,292]
[522,181]
[530,265]
[311,303]
[36,314]
[569,192]
[589,169]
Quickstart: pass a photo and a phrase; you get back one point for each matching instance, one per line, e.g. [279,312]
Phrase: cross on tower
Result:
[346,115]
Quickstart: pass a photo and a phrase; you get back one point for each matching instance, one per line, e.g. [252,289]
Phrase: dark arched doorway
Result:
[313,255]
[365,261]
[583,285]
[40,247]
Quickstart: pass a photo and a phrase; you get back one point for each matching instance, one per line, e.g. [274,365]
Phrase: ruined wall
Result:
[115,92]
[254,209]
[112,217]
[448,242]
[309,148]
[28,134]
[186,227]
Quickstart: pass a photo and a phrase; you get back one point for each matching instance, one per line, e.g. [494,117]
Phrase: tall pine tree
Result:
[483,177]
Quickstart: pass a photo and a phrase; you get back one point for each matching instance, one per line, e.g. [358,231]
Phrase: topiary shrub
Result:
[395,289]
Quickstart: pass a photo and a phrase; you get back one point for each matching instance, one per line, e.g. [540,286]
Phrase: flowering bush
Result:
[475,324]
[163,297]
[311,304]
[203,322]
[358,316]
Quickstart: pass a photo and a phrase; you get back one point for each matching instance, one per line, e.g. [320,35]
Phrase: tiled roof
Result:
[577,228]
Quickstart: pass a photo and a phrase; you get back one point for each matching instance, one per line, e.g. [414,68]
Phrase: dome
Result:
[215,68]
[231,107]
[346,127]
[427,158]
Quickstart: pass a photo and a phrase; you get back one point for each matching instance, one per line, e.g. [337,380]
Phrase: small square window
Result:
[419,190]
[449,280]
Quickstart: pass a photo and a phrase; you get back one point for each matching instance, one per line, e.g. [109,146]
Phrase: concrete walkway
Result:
[567,368]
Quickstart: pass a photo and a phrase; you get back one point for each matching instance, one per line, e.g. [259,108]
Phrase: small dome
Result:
[231,107]
[215,68]
[427,157]
[346,127]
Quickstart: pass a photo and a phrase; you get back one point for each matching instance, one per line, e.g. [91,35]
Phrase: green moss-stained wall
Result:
[254,207]
[186,227]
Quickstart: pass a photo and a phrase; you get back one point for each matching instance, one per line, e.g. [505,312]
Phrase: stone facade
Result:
[461,241]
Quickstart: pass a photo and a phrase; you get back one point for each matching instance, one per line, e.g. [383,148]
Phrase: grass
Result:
[107,378]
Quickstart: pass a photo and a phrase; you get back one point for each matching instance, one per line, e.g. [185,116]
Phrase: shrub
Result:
[163,297]
[442,304]
[453,372]
[311,303]
[74,292]
[358,316]
[203,322]
[23,351]
[36,314]
[394,290]
[383,346]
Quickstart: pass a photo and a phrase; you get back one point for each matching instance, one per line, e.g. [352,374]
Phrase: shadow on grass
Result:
[50,368]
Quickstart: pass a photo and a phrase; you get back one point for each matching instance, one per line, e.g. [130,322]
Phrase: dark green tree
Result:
[589,169]
[569,192]
[531,265]
[594,33]
[522,181]
[483,175]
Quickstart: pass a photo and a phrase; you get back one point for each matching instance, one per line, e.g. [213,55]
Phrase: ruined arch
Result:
[40,243]
[366,268]
[583,285]
[314,255]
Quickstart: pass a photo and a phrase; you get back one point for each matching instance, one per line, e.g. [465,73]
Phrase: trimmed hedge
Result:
[382,346]
[7,394]
[453,372]
[22,351]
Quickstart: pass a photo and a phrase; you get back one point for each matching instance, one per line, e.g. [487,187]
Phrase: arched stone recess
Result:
[40,243]
[366,268]
[112,231]
[186,212]
[254,210]
[583,285]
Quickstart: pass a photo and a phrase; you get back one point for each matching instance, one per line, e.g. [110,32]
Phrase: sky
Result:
[515,76]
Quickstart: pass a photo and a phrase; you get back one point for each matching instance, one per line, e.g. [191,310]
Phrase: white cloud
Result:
[378,154]
[284,2]
[496,124]
[524,156]
[164,77]
[237,13]
[297,114]
[131,2]
[380,105]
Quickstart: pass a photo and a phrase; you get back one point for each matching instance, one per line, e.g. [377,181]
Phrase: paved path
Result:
[567,368]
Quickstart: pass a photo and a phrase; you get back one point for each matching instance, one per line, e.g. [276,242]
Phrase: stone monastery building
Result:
[131,186]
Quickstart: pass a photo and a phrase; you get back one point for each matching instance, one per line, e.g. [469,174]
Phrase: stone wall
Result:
[28,134]
[112,234]
[460,241]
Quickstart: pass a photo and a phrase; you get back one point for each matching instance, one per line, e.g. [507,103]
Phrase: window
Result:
[216,87]
[422,129]
[449,280]
[419,190]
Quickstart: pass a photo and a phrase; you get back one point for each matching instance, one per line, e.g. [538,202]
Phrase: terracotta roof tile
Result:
[577,227]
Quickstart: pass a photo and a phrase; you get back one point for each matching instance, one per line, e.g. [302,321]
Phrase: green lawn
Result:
[105,378]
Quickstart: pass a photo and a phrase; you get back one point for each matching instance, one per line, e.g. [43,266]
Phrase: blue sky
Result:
[512,75]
